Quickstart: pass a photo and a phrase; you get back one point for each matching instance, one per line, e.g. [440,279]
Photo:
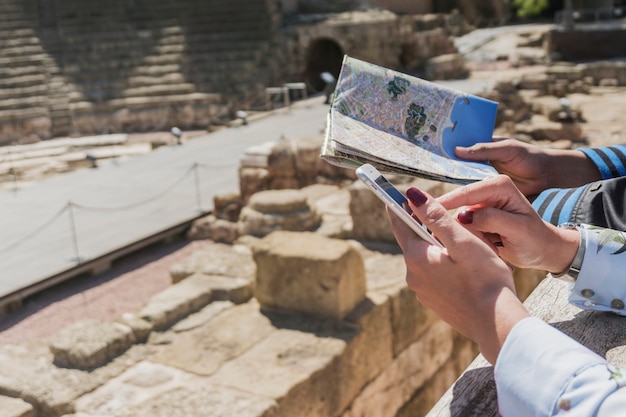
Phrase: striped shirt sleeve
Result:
[610,160]
[556,205]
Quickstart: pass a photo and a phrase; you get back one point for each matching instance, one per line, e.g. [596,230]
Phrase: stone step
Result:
[38,90]
[23,103]
[17,33]
[21,50]
[146,102]
[11,39]
[23,60]
[21,79]
[17,114]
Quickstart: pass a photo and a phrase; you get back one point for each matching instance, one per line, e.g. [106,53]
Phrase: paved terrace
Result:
[81,221]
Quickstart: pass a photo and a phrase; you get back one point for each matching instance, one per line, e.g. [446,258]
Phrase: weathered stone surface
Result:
[237,290]
[293,367]
[15,407]
[202,401]
[272,210]
[177,301]
[279,201]
[368,354]
[251,181]
[90,343]
[150,389]
[201,317]
[27,372]
[217,259]
[540,128]
[333,205]
[217,230]
[409,371]
[308,273]
[227,206]
[222,338]
[445,67]
[307,159]
[140,327]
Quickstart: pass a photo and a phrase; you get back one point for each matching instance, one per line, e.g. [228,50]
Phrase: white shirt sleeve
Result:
[542,372]
[601,283]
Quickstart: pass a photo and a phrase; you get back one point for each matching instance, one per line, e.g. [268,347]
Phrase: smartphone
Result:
[394,199]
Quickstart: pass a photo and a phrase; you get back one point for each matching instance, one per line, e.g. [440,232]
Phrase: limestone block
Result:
[272,210]
[90,343]
[308,273]
[409,372]
[222,338]
[15,407]
[227,206]
[539,129]
[202,401]
[333,205]
[217,259]
[237,290]
[177,301]
[293,367]
[281,159]
[445,67]
[533,81]
[252,180]
[212,228]
[369,217]
[141,328]
[307,159]
[370,351]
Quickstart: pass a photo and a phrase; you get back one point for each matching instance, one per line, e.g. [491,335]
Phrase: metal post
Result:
[74,234]
[197,183]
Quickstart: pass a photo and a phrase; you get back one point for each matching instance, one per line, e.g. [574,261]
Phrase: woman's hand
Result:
[533,169]
[465,283]
[496,211]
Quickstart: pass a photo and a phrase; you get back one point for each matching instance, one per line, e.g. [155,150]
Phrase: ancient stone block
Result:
[90,343]
[307,159]
[308,273]
[177,301]
[227,206]
[272,210]
[445,67]
[219,339]
[217,230]
[141,328]
[15,407]
[410,370]
[293,367]
[217,259]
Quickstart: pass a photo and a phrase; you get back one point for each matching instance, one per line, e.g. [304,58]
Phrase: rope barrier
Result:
[36,231]
[70,205]
[139,203]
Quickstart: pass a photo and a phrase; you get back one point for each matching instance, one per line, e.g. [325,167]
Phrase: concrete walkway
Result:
[72,223]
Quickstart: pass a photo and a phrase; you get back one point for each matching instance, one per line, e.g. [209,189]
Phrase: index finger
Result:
[436,218]
[498,191]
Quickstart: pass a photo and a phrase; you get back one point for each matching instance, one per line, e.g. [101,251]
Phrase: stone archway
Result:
[323,55]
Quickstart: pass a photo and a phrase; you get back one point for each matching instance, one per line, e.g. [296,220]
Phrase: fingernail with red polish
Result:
[466,217]
[416,196]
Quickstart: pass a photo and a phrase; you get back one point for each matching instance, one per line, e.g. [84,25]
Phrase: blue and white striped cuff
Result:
[610,160]
[556,205]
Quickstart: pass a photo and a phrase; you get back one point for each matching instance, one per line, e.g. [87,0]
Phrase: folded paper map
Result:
[402,124]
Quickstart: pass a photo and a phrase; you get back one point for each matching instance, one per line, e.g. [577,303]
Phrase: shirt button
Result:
[587,293]
[617,304]
[565,404]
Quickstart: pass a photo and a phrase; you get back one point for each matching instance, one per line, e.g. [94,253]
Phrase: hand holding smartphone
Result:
[394,199]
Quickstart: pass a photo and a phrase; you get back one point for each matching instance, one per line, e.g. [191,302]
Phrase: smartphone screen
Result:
[394,199]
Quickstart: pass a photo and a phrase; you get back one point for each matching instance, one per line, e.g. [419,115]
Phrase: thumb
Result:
[497,150]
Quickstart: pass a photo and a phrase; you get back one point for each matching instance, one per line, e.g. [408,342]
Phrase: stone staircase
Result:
[75,67]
